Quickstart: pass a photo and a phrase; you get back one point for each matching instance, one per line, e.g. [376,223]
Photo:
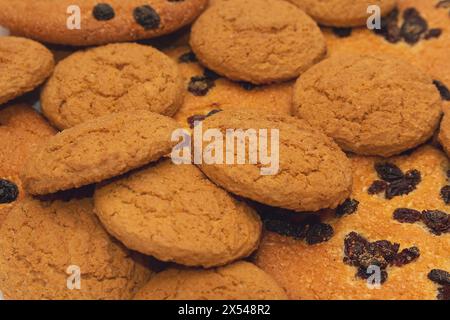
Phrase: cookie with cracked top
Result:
[238,281]
[259,41]
[406,252]
[97,150]
[343,13]
[113,78]
[100,22]
[25,64]
[312,172]
[174,213]
[369,104]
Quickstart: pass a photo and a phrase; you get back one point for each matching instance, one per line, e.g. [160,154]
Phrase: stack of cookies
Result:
[118,178]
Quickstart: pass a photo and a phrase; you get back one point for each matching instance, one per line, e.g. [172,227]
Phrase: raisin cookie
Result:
[88,22]
[43,244]
[24,65]
[208,92]
[174,213]
[97,150]
[301,169]
[238,281]
[343,13]
[108,79]
[259,41]
[390,240]
[21,130]
[369,104]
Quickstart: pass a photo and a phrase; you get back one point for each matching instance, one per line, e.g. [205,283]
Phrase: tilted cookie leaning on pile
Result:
[335,183]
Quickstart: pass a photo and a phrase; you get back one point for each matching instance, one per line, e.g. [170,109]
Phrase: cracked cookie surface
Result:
[97,150]
[313,172]
[238,281]
[174,213]
[109,79]
[24,65]
[369,104]
[40,240]
[259,41]
[105,22]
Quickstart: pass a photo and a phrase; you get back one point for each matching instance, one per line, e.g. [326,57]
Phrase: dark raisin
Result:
[404,186]
[147,17]
[342,32]
[247,85]
[448,174]
[405,215]
[349,206]
[433,33]
[444,293]
[413,26]
[378,186]
[103,12]
[8,191]
[286,228]
[388,171]
[389,27]
[445,194]
[355,246]
[443,4]
[200,85]
[213,112]
[384,250]
[439,276]
[443,90]
[210,74]
[318,233]
[393,33]
[195,118]
[437,221]
[188,57]
[406,256]
[363,273]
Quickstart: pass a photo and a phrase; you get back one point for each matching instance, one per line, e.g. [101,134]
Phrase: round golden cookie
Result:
[369,104]
[238,281]
[320,271]
[99,22]
[343,13]
[206,91]
[43,244]
[21,130]
[174,213]
[24,65]
[97,150]
[258,41]
[311,173]
[113,78]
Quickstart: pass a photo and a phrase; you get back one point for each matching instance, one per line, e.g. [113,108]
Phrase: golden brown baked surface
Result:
[110,79]
[174,213]
[276,42]
[238,281]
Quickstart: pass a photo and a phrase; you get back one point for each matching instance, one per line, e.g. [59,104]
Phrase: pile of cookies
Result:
[94,206]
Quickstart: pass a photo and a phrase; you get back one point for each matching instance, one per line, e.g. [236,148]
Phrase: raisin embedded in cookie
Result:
[259,41]
[238,281]
[371,236]
[174,213]
[43,243]
[98,149]
[24,65]
[369,104]
[342,13]
[113,78]
[100,23]
[313,173]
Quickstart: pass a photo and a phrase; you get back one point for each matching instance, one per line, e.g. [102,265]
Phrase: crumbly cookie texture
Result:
[343,13]
[313,172]
[369,104]
[97,150]
[41,240]
[319,272]
[24,65]
[105,22]
[276,42]
[109,79]
[174,213]
[444,132]
[21,130]
[238,281]
[207,91]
